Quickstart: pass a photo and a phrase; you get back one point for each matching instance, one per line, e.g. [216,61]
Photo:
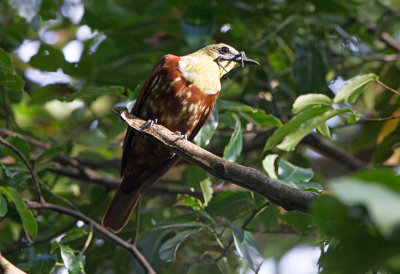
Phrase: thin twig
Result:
[387,87]
[107,234]
[27,165]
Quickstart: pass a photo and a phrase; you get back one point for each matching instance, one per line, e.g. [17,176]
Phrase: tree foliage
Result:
[320,114]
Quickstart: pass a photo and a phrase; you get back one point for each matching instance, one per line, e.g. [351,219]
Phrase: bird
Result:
[179,93]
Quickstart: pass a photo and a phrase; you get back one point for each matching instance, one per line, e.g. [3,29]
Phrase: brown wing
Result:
[140,101]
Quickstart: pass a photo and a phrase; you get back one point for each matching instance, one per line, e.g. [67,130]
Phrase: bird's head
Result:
[225,56]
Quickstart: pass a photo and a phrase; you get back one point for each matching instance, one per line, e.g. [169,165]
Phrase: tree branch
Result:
[246,177]
[107,234]
[323,145]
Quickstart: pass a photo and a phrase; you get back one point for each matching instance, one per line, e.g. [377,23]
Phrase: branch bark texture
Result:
[246,177]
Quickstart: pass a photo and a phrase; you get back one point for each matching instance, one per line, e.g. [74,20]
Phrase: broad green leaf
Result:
[91,93]
[269,165]
[207,190]
[352,88]
[301,125]
[289,172]
[234,147]
[257,116]
[71,262]
[168,250]
[207,131]
[297,177]
[3,206]
[73,235]
[194,176]
[42,263]
[324,130]
[305,101]
[229,204]
[381,202]
[247,248]
[28,220]
[11,81]
[309,69]
[5,61]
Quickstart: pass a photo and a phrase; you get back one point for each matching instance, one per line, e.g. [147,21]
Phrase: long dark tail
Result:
[120,210]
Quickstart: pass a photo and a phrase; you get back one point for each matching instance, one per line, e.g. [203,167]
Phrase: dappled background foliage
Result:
[65,64]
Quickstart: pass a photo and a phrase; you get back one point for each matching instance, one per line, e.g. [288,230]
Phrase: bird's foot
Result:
[180,135]
[149,123]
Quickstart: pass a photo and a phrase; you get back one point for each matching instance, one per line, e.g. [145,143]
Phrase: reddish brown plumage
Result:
[178,105]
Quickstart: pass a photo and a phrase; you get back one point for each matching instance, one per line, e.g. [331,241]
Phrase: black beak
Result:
[240,58]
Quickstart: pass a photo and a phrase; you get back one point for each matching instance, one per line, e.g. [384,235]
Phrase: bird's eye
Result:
[224,50]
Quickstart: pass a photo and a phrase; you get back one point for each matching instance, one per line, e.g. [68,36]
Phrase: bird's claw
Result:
[149,123]
[180,135]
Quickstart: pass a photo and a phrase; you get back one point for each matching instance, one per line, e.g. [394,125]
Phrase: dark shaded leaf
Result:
[168,250]
[28,221]
[3,206]
[5,61]
[309,69]
[11,81]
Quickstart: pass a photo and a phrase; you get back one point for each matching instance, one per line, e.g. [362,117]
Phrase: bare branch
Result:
[107,234]
[246,177]
[8,268]
[326,147]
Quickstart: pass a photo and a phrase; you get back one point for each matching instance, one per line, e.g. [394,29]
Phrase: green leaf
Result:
[309,69]
[305,101]
[3,206]
[269,165]
[194,176]
[42,263]
[257,116]
[301,125]
[247,248]
[381,202]
[28,220]
[207,190]
[352,88]
[5,61]
[353,118]
[11,81]
[91,93]
[289,172]
[168,250]
[324,130]
[234,147]
[207,131]
[229,204]
[298,177]
[73,235]
[71,262]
